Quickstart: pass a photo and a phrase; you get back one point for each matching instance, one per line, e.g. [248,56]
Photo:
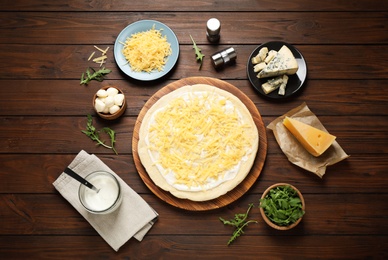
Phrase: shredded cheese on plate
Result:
[147,51]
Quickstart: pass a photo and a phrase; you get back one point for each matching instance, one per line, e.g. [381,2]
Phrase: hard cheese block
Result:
[283,63]
[315,141]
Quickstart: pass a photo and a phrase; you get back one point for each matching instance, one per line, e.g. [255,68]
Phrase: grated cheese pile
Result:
[147,51]
[199,138]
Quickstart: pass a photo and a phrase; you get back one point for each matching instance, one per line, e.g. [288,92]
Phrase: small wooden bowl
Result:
[111,116]
[268,221]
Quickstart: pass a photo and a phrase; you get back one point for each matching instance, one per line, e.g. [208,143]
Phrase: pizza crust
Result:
[224,187]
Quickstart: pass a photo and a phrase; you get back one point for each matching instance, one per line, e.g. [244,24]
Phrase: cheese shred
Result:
[147,51]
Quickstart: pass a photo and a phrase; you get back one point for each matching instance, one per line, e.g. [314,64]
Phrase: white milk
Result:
[104,200]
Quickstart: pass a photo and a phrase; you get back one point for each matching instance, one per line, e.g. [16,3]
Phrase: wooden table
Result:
[44,49]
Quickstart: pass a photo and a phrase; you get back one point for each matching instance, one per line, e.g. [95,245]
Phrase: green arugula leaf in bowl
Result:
[282,206]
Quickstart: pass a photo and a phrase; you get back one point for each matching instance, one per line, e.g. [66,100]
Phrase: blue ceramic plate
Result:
[295,82]
[142,26]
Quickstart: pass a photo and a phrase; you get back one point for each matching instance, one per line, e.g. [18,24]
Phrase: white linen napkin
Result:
[134,217]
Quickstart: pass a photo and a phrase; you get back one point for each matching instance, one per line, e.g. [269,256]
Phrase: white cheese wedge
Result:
[284,62]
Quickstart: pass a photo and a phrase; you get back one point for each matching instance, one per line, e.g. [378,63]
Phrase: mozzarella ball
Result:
[106,110]
[109,101]
[119,99]
[112,91]
[113,109]
[102,93]
[99,105]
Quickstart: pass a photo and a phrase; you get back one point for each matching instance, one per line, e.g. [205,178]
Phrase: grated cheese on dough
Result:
[147,51]
[199,138]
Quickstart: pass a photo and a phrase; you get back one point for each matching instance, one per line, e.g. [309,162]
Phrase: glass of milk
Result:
[107,199]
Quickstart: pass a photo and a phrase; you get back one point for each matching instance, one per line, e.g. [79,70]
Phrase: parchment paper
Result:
[295,152]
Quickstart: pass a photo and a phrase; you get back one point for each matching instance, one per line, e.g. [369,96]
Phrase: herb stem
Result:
[93,134]
[88,76]
[239,222]
[240,230]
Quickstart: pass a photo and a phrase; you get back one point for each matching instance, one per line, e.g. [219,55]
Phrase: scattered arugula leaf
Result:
[198,53]
[92,132]
[239,222]
[282,205]
[88,76]
[111,134]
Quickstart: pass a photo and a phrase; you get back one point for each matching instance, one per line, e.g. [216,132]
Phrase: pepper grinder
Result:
[213,28]
[223,57]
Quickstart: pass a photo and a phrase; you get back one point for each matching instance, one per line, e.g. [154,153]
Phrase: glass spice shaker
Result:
[213,28]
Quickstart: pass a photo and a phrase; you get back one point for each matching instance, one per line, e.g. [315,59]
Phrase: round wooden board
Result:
[232,195]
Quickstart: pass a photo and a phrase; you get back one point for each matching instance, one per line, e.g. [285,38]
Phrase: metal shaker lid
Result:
[213,26]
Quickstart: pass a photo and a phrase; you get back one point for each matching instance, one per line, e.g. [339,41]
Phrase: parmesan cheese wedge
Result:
[314,140]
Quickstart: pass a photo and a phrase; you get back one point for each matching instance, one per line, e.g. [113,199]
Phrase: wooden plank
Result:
[190,247]
[359,173]
[323,61]
[200,5]
[63,134]
[102,28]
[328,214]
[68,98]
[58,134]
[185,247]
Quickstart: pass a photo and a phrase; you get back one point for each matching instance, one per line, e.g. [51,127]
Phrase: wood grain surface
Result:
[45,47]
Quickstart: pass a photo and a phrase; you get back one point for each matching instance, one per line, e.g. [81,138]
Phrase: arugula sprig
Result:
[239,222]
[92,74]
[94,134]
[198,52]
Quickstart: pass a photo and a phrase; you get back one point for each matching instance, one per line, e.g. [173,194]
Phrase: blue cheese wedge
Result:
[282,88]
[259,66]
[272,84]
[260,56]
[279,82]
[284,62]
[270,56]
